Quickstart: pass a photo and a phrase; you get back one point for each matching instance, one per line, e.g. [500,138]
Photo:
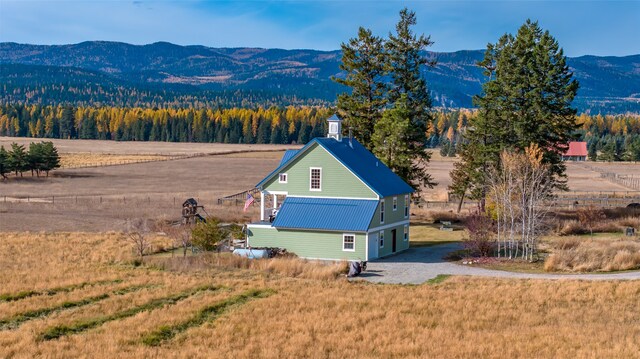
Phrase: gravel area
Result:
[419,264]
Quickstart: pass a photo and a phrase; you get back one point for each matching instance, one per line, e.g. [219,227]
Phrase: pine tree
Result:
[593,151]
[35,158]
[18,159]
[527,100]
[363,60]
[389,138]
[405,62]
[50,157]
[4,163]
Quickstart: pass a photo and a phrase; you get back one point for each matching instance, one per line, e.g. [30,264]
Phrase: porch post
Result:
[261,205]
[275,201]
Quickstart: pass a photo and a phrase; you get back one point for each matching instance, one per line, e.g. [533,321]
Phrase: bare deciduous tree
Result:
[137,231]
[520,187]
[181,236]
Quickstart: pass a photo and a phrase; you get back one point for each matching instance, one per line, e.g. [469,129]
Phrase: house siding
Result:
[308,244]
[391,216]
[336,181]
[387,248]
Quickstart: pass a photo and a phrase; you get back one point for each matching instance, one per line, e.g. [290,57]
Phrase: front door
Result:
[393,240]
[373,246]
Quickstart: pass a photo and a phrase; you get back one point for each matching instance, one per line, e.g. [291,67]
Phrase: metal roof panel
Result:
[328,214]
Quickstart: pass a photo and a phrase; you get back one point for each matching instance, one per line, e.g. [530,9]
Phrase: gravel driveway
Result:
[419,264]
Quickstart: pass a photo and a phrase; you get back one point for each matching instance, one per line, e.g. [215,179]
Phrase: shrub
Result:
[572,228]
[439,216]
[480,230]
[590,216]
[208,235]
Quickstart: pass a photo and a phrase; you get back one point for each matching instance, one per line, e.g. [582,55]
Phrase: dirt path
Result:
[419,264]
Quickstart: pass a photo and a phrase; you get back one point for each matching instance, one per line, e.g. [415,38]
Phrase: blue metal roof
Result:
[326,214]
[366,166]
[287,156]
[362,163]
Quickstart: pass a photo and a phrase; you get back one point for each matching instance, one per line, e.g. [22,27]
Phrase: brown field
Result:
[100,198]
[60,237]
[142,148]
[75,160]
[460,317]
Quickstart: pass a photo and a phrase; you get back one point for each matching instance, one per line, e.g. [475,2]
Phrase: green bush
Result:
[207,235]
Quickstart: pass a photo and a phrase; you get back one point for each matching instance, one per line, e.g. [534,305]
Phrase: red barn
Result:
[577,151]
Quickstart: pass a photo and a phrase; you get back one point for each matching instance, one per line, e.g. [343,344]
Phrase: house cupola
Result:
[335,128]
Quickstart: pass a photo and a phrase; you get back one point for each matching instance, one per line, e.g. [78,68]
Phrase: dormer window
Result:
[282,178]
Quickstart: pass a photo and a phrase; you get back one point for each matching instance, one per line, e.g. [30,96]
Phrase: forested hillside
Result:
[617,137]
[235,125]
[168,75]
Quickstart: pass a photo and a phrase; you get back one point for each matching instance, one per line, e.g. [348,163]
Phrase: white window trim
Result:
[406,206]
[406,233]
[344,235]
[381,239]
[286,177]
[382,211]
[395,204]
[315,189]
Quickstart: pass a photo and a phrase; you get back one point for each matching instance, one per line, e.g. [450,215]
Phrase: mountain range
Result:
[165,74]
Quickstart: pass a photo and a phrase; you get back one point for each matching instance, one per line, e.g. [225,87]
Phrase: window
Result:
[381,238]
[382,211]
[395,203]
[333,127]
[406,233]
[406,206]
[349,242]
[315,183]
[282,178]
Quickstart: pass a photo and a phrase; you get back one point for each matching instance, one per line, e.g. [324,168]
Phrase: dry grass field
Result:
[70,288]
[113,309]
[142,148]
[75,160]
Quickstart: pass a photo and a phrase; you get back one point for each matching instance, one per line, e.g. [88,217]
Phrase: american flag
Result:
[248,202]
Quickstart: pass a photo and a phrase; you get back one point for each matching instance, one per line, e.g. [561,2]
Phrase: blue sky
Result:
[581,27]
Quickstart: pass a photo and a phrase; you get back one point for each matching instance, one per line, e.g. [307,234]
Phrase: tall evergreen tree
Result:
[4,163]
[389,138]
[18,159]
[50,157]
[527,100]
[593,151]
[363,60]
[405,62]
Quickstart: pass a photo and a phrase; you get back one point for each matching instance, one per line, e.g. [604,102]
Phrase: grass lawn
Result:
[425,234]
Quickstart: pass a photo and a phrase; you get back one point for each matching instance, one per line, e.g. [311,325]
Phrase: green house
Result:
[333,200]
